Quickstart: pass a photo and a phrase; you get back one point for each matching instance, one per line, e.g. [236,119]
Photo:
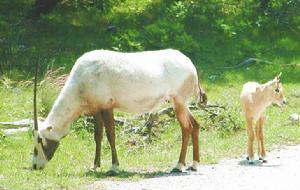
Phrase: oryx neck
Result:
[64,111]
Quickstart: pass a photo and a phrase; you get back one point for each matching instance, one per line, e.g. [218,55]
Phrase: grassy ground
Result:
[212,36]
[70,165]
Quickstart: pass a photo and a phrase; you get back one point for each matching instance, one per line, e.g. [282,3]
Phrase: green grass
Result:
[212,36]
[15,103]
[70,165]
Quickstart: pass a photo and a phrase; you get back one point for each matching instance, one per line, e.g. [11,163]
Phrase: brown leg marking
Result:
[108,117]
[250,138]
[195,137]
[98,136]
[181,111]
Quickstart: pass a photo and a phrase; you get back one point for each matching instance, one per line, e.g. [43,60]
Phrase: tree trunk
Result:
[44,6]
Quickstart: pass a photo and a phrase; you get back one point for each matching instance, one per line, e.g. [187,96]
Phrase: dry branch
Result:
[18,124]
[9,132]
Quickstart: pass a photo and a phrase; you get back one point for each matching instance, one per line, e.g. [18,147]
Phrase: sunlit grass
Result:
[70,165]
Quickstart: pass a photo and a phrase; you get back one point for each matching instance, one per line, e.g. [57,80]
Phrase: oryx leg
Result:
[98,136]
[181,111]
[195,139]
[108,118]
[260,139]
[250,140]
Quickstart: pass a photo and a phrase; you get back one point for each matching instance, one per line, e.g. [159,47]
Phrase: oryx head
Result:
[276,91]
[44,148]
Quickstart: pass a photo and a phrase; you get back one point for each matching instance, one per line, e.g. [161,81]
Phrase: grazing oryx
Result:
[102,81]
[255,98]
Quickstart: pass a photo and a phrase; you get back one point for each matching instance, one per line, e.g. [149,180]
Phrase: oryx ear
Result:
[49,128]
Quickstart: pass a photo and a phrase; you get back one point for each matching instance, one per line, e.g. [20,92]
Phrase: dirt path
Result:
[282,172]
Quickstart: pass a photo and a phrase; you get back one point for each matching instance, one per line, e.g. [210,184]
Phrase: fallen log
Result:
[10,132]
[18,124]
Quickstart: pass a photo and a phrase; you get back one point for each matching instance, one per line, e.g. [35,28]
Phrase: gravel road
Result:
[282,172]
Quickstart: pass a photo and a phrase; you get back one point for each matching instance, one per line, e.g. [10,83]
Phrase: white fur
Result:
[40,160]
[129,82]
[195,164]
[114,168]
[180,166]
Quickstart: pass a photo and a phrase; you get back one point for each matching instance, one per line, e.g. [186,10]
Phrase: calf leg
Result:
[108,118]
[250,140]
[181,111]
[98,135]
[260,138]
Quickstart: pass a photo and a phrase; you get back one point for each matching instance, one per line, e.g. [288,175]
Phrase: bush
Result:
[83,126]
[226,119]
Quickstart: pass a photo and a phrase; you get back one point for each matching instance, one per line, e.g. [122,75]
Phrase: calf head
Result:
[276,93]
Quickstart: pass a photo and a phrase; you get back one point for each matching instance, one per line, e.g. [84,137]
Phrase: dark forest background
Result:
[213,33]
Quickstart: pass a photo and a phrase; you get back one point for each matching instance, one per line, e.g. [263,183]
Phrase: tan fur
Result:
[255,98]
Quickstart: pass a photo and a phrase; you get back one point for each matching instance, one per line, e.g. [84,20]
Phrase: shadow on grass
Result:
[130,174]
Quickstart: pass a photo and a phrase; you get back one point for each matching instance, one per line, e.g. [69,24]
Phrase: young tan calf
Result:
[255,98]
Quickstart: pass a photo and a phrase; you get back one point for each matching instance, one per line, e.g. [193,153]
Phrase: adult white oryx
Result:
[101,81]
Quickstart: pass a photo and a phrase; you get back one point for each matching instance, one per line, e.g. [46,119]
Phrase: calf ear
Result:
[277,78]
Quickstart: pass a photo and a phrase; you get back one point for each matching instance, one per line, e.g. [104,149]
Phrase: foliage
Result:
[83,125]
[234,29]
[140,157]
[214,34]
[226,119]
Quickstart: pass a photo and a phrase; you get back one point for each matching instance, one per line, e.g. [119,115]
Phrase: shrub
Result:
[226,119]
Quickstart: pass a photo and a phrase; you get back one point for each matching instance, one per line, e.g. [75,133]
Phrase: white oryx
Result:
[255,98]
[102,81]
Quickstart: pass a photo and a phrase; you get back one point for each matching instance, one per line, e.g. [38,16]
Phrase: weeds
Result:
[226,119]
[2,143]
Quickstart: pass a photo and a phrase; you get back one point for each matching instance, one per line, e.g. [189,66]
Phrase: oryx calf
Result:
[102,81]
[255,98]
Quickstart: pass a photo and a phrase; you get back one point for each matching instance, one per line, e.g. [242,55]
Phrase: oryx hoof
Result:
[176,170]
[263,160]
[111,173]
[94,168]
[191,168]
[251,162]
